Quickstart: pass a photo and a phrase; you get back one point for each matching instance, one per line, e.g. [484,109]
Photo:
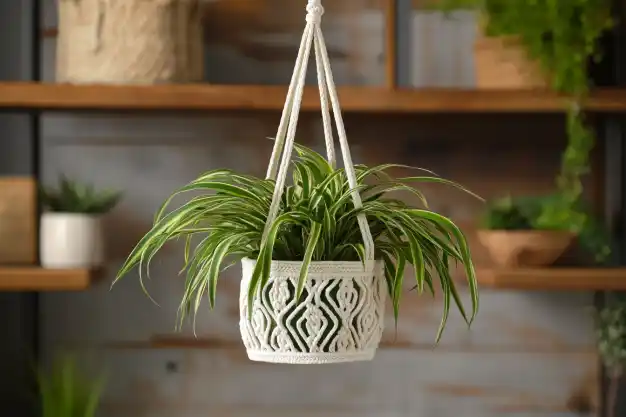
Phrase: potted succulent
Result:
[66,392]
[310,291]
[533,231]
[71,229]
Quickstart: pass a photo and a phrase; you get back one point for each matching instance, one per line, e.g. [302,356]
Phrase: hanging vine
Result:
[562,36]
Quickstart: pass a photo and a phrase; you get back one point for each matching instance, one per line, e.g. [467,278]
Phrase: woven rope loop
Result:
[315,10]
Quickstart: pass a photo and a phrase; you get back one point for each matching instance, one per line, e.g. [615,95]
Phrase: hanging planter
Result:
[317,255]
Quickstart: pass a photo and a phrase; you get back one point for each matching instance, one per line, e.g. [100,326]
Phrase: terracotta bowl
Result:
[519,248]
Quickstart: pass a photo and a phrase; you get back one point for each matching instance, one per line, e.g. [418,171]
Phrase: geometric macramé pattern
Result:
[339,318]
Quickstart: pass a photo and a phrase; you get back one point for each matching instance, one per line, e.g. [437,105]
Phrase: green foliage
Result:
[529,212]
[611,335]
[71,197]
[316,222]
[562,36]
[65,392]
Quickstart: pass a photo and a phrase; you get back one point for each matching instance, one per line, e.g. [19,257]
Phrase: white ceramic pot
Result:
[71,240]
[340,316]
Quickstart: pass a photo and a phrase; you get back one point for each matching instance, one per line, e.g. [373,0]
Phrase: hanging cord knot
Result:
[315,10]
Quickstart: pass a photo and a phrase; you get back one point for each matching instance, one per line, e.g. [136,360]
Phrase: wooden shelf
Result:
[41,279]
[209,97]
[554,279]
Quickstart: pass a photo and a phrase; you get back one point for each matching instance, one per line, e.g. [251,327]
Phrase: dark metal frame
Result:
[611,131]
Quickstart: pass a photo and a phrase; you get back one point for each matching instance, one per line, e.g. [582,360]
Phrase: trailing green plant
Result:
[66,392]
[317,221]
[72,197]
[562,36]
[527,213]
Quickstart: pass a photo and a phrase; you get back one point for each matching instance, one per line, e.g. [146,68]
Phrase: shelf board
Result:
[554,279]
[208,97]
[41,279]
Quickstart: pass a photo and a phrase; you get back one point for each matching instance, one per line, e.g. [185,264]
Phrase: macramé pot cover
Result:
[339,317]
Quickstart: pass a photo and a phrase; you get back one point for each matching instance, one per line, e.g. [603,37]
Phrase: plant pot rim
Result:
[71,214]
[306,358]
[319,267]
[528,232]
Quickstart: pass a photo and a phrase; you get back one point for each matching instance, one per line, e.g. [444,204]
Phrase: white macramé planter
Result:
[339,317]
[71,240]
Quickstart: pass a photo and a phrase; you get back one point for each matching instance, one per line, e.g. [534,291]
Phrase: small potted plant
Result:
[534,231]
[310,292]
[66,392]
[71,229]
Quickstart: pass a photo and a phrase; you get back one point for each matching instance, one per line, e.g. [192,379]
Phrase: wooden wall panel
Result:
[224,383]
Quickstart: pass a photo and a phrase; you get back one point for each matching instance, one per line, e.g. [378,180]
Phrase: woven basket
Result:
[502,63]
[339,317]
[129,41]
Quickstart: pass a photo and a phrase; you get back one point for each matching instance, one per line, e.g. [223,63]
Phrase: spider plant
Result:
[317,221]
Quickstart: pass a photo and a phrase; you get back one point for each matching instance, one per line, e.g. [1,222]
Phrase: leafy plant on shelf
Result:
[66,392]
[527,213]
[72,197]
[316,222]
[561,35]
[611,342]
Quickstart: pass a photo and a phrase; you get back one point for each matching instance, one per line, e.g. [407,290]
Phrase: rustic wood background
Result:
[528,354]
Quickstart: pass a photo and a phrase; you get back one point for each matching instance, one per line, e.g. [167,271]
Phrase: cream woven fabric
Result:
[129,41]
[338,319]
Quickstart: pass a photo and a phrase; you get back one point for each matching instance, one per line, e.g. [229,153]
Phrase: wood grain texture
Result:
[555,279]
[224,382]
[391,43]
[18,216]
[247,98]
[40,279]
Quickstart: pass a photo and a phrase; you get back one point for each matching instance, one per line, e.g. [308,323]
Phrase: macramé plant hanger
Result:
[317,255]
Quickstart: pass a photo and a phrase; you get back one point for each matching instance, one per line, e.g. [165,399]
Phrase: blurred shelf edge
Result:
[553,279]
[189,341]
[27,278]
[209,97]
